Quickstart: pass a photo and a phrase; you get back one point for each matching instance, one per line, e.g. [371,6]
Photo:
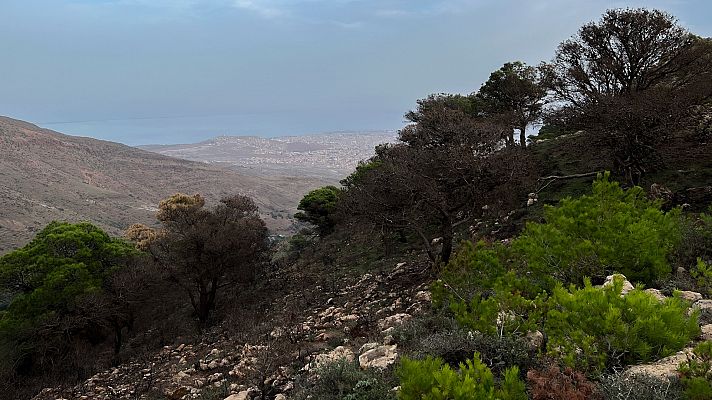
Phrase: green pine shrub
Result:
[610,230]
[696,373]
[702,275]
[596,328]
[432,379]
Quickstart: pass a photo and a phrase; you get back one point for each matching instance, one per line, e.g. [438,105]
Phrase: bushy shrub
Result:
[344,380]
[432,379]
[594,328]
[610,230]
[623,386]
[555,384]
[702,275]
[696,373]
[497,352]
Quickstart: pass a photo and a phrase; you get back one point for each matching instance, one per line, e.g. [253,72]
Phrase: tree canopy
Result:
[202,250]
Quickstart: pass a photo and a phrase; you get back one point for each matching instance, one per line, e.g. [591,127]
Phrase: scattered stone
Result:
[706,332]
[424,296]
[244,395]
[705,307]
[627,286]
[337,354]
[393,321]
[178,393]
[690,296]
[280,397]
[658,294]
[665,368]
[380,357]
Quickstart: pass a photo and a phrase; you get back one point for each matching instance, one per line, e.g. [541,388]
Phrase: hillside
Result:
[45,176]
[327,155]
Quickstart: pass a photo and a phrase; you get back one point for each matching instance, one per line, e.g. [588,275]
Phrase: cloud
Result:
[261,8]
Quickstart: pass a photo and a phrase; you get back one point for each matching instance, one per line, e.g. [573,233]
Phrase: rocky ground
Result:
[353,322]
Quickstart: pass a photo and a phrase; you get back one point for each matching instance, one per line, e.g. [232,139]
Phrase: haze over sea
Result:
[192,129]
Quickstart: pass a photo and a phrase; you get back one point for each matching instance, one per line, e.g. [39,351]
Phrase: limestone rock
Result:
[393,321]
[663,369]
[706,332]
[705,307]
[655,292]
[380,357]
[690,296]
[535,339]
[337,354]
[244,395]
[627,286]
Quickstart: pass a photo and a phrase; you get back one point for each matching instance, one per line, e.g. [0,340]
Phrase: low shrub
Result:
[622,386]
[610,230]
[595,328]
[496,352]
[555,384]
[432,379]
[344,380]
[696,373]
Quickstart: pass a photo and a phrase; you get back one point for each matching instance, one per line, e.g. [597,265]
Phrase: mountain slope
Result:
[45,175]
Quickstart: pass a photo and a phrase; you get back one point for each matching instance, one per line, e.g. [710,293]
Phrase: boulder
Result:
[705,307]
[380,357]
[393,321]
[706,332]
[658,294]
[665,368]
[337,354]
[244,395]
[627,286]
[690,296]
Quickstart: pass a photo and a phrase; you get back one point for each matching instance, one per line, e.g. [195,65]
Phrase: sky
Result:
[181,71]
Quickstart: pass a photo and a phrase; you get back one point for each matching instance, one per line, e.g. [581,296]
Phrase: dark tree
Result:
[203,250]
[317,208]
[513,94]
[630,81]
[447,165]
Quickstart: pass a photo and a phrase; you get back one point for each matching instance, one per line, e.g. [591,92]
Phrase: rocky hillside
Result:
[45,176]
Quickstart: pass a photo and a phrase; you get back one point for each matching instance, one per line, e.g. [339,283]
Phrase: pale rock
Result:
[627,286]
[213,364]
[656,293]
[388,340]
[337,354]
[423,296]
[705,308]
[280,397]
[367,346]
[690,296]
[244,395]
[380,357]
[394,321]
[706,332]
[665,368]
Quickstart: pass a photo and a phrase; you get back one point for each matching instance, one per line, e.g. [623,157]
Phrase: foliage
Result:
[696,373]
[317,208]
[556,384]
[344,380]
[60,282]
[610,230]
[594,328]
[202,250]
[514,95]
[630,80]
[624,386]
[702,273]
[497,352]
[431,379]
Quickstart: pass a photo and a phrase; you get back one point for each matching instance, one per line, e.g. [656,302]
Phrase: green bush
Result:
[696,373]
[610,230]
[594,328]
[432,379]
[702,274]
[344,380]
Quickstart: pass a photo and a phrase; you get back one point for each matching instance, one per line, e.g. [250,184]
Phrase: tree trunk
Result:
[447,234]
[523,136]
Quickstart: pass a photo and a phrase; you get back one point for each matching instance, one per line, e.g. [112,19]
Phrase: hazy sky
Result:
[167,71]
